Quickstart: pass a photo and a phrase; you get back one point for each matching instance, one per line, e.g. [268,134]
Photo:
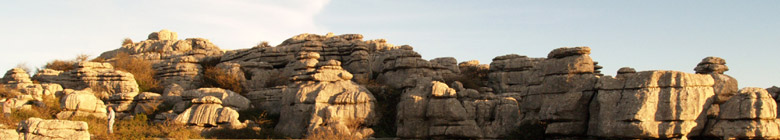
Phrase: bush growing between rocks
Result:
[65,65]
[262,126]
[136,128]
[141,69]
[51,106]
[327,133]
[61,65]
[7,93]
[217,77]
[127,41]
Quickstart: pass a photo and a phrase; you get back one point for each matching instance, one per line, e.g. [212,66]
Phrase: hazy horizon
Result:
[645,35]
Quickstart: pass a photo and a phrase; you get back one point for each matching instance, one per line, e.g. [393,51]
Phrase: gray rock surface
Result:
[81,103]
[750,114]
[651,104]
[325,99]
[38,129]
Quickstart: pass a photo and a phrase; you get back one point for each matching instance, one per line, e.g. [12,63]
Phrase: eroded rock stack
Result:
[325,100]
[750,114]
[18,79]
[567,87]
[207,113]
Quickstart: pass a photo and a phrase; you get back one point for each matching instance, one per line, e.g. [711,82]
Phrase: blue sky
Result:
[646,35]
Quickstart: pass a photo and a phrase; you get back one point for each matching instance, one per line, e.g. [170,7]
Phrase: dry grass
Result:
[65,65]
[61,65]
[136,128]
[217,77]
[51,107]
[141,69]
[328,133]
[8,93]
[261,127]
[127,41]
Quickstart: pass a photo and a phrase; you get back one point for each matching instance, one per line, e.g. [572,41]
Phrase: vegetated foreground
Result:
[342,87]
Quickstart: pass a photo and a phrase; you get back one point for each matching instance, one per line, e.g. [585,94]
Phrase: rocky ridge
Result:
[320,84]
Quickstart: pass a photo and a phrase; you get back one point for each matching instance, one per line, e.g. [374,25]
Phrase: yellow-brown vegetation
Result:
[141,69]
[217,77]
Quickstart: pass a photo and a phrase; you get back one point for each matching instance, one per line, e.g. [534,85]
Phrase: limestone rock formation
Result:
[207,112]
[750,114]
[10,134]
[18,79]
[131,103]
[100,77]
[434,110]
[36,128]
[324,99]
[651,104]
[514,73]
[399,65]
[81,103]
[711,65]
[567,87]
[228,98]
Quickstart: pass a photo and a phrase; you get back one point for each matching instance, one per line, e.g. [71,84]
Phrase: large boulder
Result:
[36,128]
[750,114]
[81,103]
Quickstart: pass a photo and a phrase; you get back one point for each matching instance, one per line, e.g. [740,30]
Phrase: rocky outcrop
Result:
[228,98]
[711,65]
[80,103]
[36,129]
[208,112]
[126,104]
[100,77]
[750,114]
[348,48]
[18,80]
[434,110]
[514,73]
[268,100]
[651,104]
[396,67]
[567,87]
[324,99]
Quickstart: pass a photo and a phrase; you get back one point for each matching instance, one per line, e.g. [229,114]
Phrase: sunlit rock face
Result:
[324,99]
[320,83]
